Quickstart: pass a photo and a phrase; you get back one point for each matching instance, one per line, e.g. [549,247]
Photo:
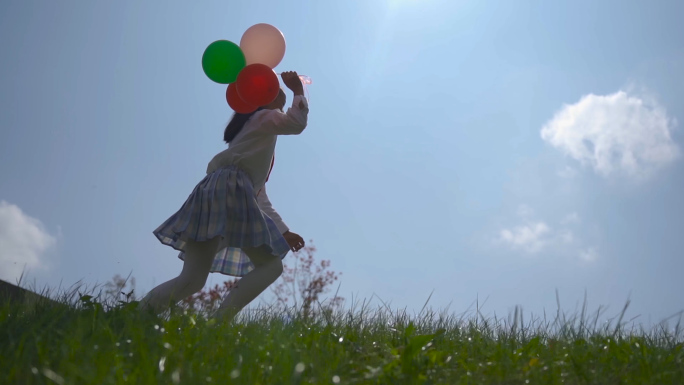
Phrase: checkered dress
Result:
[224,204]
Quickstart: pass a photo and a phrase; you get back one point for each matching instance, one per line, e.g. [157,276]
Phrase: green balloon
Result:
[222,61]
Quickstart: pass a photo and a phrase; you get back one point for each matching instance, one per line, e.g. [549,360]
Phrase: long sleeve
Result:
[267,208]
[292,122]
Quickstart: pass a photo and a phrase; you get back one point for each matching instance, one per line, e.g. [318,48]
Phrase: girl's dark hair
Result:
[235,125]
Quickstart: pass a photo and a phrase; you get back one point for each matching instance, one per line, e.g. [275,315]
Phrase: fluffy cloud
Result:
[567,173]
[23,242]
[589,254]
[525,211]
[530,237]
[614,133]
[566,236]
[534,236]
[571,218]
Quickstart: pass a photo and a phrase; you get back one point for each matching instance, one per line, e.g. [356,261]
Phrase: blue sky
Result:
[487,149]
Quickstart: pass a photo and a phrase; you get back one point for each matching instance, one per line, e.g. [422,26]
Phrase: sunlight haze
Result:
[473,150]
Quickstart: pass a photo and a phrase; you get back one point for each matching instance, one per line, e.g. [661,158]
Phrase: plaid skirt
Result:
[224,205]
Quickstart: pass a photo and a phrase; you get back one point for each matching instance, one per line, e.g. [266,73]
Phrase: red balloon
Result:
[236,103]
[257,84]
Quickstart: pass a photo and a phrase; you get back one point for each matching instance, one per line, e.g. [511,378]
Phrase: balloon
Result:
[236,103]
[264,44]
[222,61]
[257,84]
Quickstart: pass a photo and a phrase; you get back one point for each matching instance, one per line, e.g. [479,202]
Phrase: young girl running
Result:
[227,224]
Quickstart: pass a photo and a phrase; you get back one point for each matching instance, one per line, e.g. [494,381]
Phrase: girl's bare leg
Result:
[267,269]
[198,259]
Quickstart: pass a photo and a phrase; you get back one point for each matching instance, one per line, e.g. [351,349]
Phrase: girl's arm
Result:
[293,122]
[267,208]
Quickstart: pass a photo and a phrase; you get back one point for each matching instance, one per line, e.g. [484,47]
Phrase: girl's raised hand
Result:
[292,81]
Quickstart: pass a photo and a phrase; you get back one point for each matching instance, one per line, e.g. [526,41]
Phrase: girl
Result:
[227,224]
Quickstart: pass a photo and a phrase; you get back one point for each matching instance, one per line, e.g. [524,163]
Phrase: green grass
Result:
[82,341]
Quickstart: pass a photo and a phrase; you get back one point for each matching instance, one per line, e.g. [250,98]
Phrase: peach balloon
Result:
[263,44]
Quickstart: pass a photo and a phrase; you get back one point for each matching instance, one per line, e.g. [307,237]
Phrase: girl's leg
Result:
[267,269]
[198,259]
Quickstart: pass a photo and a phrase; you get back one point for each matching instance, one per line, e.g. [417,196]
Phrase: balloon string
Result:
[306,81]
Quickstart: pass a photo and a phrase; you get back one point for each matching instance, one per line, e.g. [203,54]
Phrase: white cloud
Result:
[23,242]
[535,236]
[589,254]
[571,218]
[614,133]
[567,173]
[525,211]
[566,236]
[531,237]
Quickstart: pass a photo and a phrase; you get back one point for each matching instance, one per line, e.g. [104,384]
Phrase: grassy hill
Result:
[88,342]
